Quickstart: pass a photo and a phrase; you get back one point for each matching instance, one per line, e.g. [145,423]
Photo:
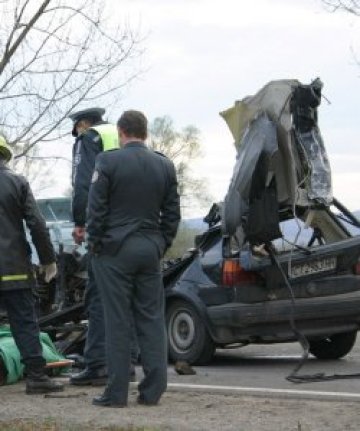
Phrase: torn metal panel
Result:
[309,143]
[259,138]
[274,99]
[298,158]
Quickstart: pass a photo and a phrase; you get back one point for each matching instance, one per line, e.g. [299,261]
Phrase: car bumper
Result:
[270,320]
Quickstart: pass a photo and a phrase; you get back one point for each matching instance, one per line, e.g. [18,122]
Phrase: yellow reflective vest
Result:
[109,136]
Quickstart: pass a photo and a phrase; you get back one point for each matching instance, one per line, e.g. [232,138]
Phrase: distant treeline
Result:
[183,241]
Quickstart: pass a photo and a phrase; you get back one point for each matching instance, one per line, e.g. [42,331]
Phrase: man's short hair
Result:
[133,124]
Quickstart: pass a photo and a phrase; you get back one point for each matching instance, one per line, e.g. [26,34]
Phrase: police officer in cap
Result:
[17,205]
[93,136]
[133,217]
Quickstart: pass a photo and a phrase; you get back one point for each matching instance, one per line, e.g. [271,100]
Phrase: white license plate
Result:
[312,267]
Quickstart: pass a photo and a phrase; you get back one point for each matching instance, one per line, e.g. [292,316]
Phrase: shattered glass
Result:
[318,177]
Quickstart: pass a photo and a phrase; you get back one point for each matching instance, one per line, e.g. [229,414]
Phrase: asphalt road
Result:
[267,366]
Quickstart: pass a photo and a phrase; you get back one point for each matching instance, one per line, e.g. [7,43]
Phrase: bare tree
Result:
[351,6]
[36,170]
[182,148]
[54,55]
[348,6]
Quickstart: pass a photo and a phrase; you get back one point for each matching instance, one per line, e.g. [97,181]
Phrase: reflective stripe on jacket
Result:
[17,204]
[14,277]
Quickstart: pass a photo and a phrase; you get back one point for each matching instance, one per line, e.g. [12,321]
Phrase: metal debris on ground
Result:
[184,369]
[57,395]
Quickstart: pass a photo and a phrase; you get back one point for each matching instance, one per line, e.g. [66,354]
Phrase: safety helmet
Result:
[5,150]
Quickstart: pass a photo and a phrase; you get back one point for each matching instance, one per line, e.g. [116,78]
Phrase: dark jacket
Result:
[133,189]
[86,147]
[17,204]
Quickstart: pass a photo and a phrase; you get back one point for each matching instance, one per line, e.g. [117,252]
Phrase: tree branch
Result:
[10,51]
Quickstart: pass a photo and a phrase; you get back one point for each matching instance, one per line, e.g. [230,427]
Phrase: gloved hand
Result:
[50,271]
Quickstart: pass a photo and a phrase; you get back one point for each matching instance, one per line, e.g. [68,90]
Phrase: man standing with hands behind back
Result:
[133,217]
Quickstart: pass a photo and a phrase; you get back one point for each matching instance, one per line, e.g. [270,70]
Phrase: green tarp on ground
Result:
[10,354]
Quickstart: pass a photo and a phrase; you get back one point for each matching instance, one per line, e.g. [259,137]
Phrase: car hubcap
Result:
[182,331]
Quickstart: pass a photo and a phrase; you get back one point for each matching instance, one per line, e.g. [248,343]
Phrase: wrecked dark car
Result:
[222,295]
[280,257]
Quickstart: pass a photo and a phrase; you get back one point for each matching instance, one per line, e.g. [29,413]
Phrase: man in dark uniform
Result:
[93,136]
[17,205]
[133,217]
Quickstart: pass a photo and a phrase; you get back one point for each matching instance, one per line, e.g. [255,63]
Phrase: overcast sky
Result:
[202,55]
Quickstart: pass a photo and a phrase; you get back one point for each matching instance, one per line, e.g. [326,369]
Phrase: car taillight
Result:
[233,274]
[357,269]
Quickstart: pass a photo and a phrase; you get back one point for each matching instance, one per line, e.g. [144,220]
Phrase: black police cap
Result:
[83,115]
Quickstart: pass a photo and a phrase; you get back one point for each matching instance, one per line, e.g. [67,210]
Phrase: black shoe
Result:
[90,376]
[105,401]
[42,385]
[140,400]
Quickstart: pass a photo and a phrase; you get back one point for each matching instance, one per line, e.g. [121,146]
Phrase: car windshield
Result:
[55,209]
[293,232]
[349,225]
[323,227]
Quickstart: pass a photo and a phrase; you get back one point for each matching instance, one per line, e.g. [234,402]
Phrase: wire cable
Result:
[294,377]
[299,335]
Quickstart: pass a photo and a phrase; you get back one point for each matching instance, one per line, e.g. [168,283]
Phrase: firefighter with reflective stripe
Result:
[17,205]
[93,136]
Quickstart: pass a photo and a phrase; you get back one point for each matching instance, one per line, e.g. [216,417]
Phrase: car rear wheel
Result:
[188,338]
[334,347]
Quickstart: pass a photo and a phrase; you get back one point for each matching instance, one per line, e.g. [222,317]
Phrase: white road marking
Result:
[267,392]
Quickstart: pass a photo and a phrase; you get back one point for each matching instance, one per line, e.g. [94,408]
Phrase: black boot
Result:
[37,382]
[90,376]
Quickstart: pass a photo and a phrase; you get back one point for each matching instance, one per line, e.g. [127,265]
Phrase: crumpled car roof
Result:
[298,160]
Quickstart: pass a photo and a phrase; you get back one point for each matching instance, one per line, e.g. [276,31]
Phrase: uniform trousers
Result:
[131,286]
[20,307]
[94,350]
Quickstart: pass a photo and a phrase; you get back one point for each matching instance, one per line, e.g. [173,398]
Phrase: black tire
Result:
[188,338]
[334,347]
